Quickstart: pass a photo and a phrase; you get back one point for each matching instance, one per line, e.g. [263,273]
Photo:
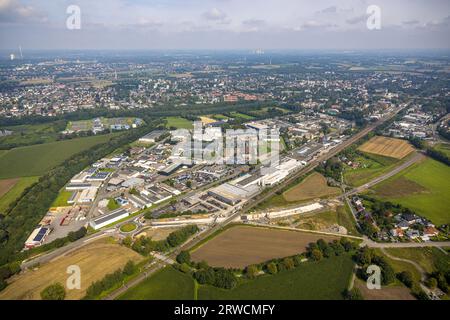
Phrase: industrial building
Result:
[170,168]
[152,136]
[37,237]
[109,218]
[87,195]
[232,194]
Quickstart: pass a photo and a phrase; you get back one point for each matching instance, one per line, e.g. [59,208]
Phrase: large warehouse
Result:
[232,194]
[109,218]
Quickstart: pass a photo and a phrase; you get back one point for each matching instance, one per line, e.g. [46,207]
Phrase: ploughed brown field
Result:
[241,246]
[95,261]
[385,293]
[388,147]
[6,185]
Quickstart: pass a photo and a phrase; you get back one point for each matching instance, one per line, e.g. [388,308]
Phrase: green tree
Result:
[406,277]
[328,252]
[289,263]
[432,283]
[184,267]
[316,255]
[54,291]
[272,268]
[129,268]
[127,241]
[251,271]
[184,257]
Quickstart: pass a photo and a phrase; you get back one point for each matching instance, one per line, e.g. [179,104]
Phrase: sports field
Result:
[166,284]
[423,187]
[240,246]
[179,123]
[13,192]
[95,261]
[314,186]
[38,159]
[323,280]
[388,147]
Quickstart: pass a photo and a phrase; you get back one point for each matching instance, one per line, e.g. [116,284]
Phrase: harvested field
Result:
[207,120]
[314,186]
[388,147]
[6,185]
[385,293]
[157,233]
[241,246]
[95,261]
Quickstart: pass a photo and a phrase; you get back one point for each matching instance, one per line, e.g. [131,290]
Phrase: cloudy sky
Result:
[224,24]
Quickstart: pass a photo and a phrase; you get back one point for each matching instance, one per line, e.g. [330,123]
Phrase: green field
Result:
[16,191]
[38,159]
[128,227]
[371,166]
[166,284]
[61,200]
[423,187]
[179,123]
[113,205]
[304,282]
[242,116]
[444,147]
[30,134]
[323,280]
[219,117]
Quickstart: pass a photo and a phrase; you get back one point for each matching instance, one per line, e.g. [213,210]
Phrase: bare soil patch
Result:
[385,293]
[241,246]
[6,185]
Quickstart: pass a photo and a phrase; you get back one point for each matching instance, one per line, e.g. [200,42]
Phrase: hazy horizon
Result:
[224,25]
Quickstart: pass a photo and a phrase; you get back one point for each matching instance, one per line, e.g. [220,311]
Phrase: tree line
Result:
[145,245]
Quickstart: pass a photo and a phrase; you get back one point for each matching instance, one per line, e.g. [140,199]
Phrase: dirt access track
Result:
[240,246]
